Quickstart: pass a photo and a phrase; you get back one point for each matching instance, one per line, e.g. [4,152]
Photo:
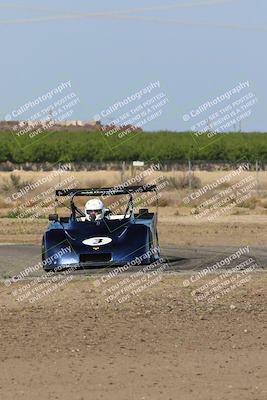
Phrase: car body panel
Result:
[126,241]
[113,240]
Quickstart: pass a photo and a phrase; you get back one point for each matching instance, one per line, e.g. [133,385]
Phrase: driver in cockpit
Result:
[94,210]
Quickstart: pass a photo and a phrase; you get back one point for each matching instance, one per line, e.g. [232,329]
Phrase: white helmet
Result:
[94,210]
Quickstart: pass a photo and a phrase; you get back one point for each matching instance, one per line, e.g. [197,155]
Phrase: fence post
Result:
[257,177]
[189,174]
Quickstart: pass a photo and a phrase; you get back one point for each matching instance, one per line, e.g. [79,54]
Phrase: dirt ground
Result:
[161,344]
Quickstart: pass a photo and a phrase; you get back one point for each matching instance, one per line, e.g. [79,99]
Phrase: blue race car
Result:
[114,240]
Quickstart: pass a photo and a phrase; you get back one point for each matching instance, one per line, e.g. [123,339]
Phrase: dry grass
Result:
[183,182]
[263,203]
[250,203]
[3,203]
[171,196]
[109,178]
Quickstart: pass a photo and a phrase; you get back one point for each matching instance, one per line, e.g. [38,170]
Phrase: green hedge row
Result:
[162,146]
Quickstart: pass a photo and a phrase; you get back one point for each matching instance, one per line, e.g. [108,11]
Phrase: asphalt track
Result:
[15,258]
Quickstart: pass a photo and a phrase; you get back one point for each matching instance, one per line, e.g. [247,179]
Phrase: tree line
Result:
[161,146]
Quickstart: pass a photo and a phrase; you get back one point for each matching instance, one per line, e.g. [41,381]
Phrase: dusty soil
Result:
[159,345]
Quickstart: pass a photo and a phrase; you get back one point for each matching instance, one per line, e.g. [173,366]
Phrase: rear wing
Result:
[118,190]
[106,191]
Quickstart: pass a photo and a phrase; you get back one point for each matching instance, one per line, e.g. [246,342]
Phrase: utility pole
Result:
[189,174]
[123,171]
[257,177]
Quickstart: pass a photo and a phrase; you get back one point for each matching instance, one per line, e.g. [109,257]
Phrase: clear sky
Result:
[111,49]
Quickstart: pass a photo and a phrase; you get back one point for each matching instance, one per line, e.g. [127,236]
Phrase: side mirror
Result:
[143,211]
[53,217]
[107,212]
